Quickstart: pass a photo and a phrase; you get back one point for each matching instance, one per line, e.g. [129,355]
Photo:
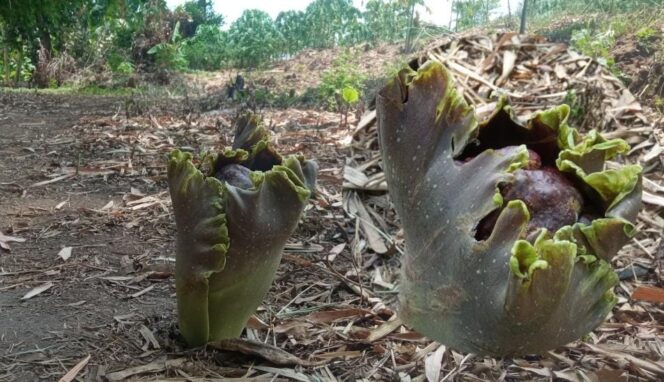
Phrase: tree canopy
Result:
[128,35]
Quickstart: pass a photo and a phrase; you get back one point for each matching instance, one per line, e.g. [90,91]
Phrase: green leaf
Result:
[176,33]
[350,95]
[155,49]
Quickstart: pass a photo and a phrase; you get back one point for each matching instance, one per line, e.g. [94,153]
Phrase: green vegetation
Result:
[645,34]
[471,13]
[595,27]
[559,19]
[255,39]
[659,103]
[83,44]
[549,8]
[342,83]
[576,109]
[15,67]
[169,55]
[596,45]
[85,90]
[44,42]
[207,49]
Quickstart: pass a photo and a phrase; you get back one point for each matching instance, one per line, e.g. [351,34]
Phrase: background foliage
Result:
[44,42]
[124,36]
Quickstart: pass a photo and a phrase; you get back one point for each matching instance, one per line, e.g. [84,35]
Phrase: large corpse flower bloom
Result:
[509,228]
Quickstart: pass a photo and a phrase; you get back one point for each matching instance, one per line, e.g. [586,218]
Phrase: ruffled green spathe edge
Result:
[584,156]
[249,144]
[587,153]
[581,242]
[288,170]
[184,173]
[256,142]
[181,166]
[557,254]
[231,155]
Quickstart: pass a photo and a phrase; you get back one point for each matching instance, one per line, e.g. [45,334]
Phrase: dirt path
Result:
[84,310]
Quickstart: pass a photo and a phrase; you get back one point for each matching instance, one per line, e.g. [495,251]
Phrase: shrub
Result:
[26,68]
[119,63]
[207,50]
[169,55]
[342,77]
[596,45]
[645,34]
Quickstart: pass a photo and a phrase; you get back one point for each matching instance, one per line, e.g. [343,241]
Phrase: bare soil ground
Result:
[82,311]
[642,59]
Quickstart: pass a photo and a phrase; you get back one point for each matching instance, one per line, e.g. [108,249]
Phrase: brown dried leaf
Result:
[268,352]
[4,239]
[328,316]
[650,294]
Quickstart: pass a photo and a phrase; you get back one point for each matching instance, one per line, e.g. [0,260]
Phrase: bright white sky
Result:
[232,9]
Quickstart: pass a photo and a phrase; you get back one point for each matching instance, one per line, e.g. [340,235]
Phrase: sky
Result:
[232,9]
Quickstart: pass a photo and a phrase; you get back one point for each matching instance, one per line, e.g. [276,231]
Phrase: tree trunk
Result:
[44,34]
[19,64]
[45,39]
[449,27]
[411,22]
[5,60]
[524,11]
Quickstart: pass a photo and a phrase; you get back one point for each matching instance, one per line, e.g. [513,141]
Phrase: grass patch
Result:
[642,23]
[71,90]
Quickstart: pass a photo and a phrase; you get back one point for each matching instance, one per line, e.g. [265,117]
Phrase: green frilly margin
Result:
[615,191]
[546,267]
[229,240]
